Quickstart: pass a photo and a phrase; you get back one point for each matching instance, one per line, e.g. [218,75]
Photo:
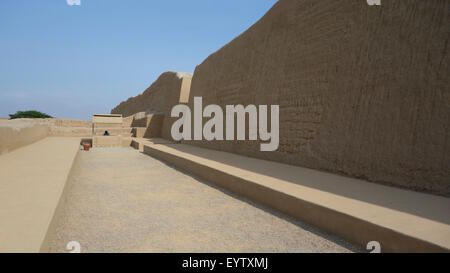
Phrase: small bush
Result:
[29,114]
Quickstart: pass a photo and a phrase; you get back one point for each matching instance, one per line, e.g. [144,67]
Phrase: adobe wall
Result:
[140,120]
[69,128]
[70,123]
[363,91]
[21,132]
[155,99]
[169,89]
[128,121]
[17,133]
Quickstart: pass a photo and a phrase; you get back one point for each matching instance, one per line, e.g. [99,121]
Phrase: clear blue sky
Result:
[73,61]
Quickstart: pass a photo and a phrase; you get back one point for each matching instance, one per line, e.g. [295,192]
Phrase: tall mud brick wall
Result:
[170,89]
[363,90]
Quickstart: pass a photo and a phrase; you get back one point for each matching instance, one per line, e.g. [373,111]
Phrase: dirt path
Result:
[120,200]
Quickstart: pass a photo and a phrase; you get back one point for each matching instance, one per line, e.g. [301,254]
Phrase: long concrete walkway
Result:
[120,200]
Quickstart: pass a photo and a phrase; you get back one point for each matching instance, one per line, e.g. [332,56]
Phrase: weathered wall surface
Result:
[69,128]
[363,91]
[69,131]
[21,132]
[169,89]
[179,95]
[140,119]
[17,133]
[69,123]
[128,121]
[157,98]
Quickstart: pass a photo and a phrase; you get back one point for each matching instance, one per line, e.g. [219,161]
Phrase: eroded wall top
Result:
[166,91]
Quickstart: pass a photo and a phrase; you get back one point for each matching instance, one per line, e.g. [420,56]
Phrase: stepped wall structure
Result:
[170,89]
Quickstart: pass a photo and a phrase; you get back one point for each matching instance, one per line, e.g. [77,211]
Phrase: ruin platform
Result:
[358,211]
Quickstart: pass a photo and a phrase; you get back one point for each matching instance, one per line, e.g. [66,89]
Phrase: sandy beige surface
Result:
[20,132]
[120,200]
[32,179]
[401,220]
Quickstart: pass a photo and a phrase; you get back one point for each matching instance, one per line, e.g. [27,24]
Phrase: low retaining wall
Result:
[33,179]
[21,132]
[17,133]
[69,128]
[69,123]
[70,131]
[111,141]
[359,212]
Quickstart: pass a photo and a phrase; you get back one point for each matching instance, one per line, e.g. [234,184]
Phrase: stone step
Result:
[114,131]
[139,143]
[356,210]
[113,134]
[111,141]
[109,125]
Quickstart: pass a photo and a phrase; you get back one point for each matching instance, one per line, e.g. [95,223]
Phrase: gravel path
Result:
[120,200]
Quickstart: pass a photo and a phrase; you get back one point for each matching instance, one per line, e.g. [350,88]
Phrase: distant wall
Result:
[363,90]
[108,119]
[157,98]
[179,95]
[70,123]
[55,131]
[140,119]
[21,132]
[69,128]
[128,121]
[169,89]
[17,133]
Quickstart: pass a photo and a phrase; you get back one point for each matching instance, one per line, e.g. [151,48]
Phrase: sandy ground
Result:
[120,200]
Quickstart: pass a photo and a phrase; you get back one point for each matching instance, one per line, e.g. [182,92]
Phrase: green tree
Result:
[29,114]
